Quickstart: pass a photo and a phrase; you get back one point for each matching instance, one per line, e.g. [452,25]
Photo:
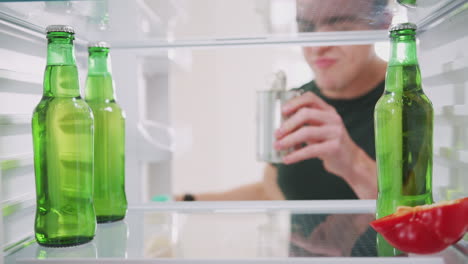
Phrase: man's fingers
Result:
[307,99]
[305,134]
[308,152]
[305,116]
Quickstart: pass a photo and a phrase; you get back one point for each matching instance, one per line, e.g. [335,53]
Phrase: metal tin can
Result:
[269,119]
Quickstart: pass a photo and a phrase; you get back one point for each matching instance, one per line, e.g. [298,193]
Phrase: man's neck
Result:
[362,84]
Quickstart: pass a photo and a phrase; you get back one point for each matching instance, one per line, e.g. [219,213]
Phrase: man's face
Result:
[336,66]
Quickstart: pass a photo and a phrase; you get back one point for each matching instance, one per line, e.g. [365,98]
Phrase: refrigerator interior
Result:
[186,73]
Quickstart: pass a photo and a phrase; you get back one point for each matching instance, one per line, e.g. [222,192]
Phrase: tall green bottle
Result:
[62,127]
[109,137]
[403,133]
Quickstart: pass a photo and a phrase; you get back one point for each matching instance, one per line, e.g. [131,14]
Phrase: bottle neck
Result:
[99,84]
[60,49]
[61,75]
[99,62]
[403,50]
[403,72]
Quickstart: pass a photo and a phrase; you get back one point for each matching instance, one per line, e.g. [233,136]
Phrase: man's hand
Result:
[316,124]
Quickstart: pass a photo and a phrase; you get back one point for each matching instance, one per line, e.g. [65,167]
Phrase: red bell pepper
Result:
[425,229]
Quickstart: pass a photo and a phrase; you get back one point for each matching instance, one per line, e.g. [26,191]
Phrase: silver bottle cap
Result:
[99,44]
[60,28]
[403,26]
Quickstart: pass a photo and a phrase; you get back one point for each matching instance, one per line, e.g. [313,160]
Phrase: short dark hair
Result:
[380,16]
[379,6]
[376,17]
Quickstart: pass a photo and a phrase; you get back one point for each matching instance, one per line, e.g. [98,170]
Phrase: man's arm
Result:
[266,189]
[352,163]
[363,175]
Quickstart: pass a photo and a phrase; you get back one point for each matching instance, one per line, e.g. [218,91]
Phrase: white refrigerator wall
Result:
[443,57]
[21,68]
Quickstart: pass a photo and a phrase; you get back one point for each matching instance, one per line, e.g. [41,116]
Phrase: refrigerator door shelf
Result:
[234,232]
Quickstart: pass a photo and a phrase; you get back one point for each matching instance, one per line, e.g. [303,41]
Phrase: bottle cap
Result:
[98,44]
[401,26]
[60,28]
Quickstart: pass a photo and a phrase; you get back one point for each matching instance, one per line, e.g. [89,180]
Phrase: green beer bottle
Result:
[403,133]
[62,127]
[110,201]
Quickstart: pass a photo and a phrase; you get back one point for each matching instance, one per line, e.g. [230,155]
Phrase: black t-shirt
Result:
[308,180]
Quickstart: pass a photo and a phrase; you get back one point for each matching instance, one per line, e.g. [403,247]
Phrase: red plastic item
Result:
[425,229]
